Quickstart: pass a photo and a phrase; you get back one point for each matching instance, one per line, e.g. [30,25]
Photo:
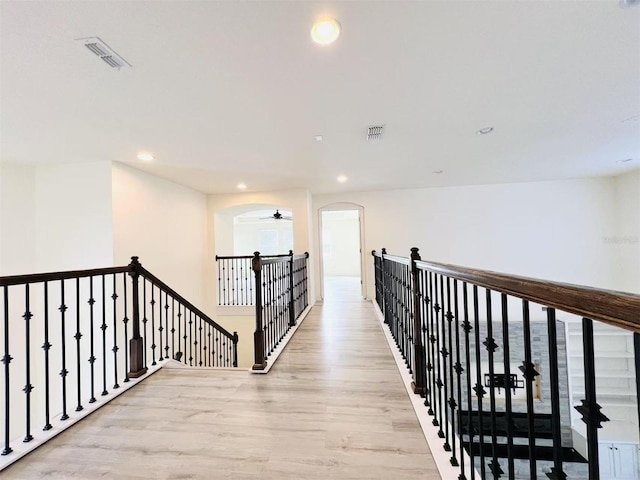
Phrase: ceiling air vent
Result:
[374,132]
[104,52]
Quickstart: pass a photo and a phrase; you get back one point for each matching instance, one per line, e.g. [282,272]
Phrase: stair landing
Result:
[333,407]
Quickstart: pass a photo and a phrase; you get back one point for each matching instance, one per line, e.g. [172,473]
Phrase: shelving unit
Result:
[619,439]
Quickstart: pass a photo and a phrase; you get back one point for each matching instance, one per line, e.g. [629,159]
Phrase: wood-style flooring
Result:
[333,407]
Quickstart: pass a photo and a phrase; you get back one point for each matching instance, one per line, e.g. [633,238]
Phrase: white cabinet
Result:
[618,461]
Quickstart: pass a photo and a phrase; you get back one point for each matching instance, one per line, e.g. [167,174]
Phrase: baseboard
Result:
[440,456]
[41,437]
[283,343]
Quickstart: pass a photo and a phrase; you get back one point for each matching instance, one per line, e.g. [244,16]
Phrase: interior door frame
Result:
[336,207]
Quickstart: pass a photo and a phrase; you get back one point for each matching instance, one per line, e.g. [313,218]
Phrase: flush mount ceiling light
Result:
[342,178]
[325,31]
[484,131]
[146,157]
[241,186]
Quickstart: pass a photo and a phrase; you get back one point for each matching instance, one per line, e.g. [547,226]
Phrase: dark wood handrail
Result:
[159,283]
[282,258]
[240,257]
[620,309]
[53,276]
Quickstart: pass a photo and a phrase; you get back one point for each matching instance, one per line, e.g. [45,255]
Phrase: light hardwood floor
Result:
[333,407]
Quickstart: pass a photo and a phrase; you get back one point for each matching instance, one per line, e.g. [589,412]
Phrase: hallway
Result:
[333,407]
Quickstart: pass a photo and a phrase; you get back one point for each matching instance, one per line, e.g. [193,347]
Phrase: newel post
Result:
[385,300]
[418,351]
[136,344]
[292,313]
[260,362]
[235,349]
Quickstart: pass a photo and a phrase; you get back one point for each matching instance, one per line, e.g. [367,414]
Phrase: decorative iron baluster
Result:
[46,346]
[506,357]
[491,346]
[92,358]
[160,327]
[173,328]
[145,319]
[452,402]
[466,326]
[115,349]
[125,321]
[78,336]
[166,324]
[191,338]
[200,343]
[557,472]
[63,371]
[426,355]
[6,360]
[529,373]
[103,327]
[480,391]
[28,388]
[153,325]
[589,409]
[432,358]
[439,368]
[445,355]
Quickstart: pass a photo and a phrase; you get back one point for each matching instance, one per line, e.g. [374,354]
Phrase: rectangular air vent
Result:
[374,132]
[103,51]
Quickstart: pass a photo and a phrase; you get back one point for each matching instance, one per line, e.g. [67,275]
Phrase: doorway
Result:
[341,252]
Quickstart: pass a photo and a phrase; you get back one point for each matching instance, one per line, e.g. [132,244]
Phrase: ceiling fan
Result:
[277,216]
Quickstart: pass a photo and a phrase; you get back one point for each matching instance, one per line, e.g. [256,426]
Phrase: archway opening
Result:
[341,252]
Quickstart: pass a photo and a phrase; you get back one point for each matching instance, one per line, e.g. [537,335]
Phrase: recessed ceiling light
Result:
[438,172]
[484,131]
[146,156]
[325,31]
[342,178]
[318,138]
[241,186]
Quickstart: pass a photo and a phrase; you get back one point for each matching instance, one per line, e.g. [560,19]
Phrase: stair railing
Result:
[281,297]
[93,329]
[466,334]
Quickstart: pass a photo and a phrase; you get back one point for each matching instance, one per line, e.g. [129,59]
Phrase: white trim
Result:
[441,458]
[336,207]
[283,343]
[41,437]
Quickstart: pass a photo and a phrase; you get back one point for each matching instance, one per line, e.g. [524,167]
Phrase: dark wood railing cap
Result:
[620,309]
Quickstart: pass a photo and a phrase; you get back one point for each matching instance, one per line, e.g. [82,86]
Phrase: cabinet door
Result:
[625,458]
[605,459]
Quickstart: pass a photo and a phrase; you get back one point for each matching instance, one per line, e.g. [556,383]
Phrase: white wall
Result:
[551,230]
[74,228]
[17,219]
[341,243]
[625,244]
[247,235]
[163,223]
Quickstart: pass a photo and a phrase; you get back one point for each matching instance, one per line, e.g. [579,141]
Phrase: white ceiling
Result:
[223,92]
